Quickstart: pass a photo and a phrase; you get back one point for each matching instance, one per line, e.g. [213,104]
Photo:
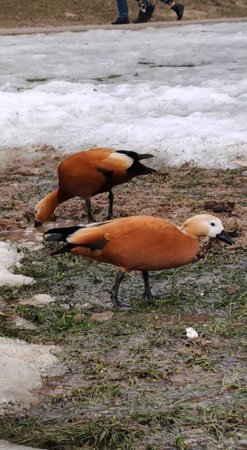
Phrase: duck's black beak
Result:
[225,237]
[37,224]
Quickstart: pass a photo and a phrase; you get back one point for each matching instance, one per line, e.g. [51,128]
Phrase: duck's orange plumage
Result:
[139,243]
[91,172]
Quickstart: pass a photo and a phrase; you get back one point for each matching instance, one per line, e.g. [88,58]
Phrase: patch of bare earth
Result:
[31,13]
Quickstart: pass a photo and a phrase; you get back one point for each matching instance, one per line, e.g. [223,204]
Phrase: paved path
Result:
[130,26]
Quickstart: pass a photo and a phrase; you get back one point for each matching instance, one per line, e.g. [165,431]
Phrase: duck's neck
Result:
[51,203]
[192,242]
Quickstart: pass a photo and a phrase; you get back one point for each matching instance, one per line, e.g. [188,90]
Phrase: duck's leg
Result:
[147,291]
[111,200]
[88,206]
[115,289]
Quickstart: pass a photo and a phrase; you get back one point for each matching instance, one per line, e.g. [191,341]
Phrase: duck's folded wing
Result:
[115,229]
[115,161]
[124,241]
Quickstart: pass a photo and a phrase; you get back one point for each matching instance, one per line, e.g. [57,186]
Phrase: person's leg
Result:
[123,13]
[178,8]
[146,9]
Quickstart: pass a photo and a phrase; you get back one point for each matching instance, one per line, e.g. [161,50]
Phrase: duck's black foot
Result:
[149,297]
[119,305]
[123,306]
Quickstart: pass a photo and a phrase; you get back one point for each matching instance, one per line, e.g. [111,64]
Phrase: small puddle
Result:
[29,238]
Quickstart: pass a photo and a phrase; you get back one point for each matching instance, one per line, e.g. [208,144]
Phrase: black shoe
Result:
[179,10]
[121,21]
[150,10]
[141,18]
[144,17]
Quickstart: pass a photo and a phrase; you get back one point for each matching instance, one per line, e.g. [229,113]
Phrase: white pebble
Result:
[191,333]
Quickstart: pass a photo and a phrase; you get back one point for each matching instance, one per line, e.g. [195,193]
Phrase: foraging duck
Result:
[139,243]
[88,173]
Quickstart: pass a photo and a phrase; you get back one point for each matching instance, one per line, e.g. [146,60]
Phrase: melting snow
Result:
[9,257]
[178,92]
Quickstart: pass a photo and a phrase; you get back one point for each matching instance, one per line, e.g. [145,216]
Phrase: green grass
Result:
[126,430]
[129,398]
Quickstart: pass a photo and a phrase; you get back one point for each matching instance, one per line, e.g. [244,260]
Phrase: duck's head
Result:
[206,225]
[45,208]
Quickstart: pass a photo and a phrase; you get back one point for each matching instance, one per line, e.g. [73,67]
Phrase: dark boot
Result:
[150,10]
[145,16]
[179,10]
[121,21]
[141,18]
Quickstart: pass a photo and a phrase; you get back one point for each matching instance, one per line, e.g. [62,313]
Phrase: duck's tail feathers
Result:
[140,169]
[134,155]
[60,234]
[146,170]
[145,156]
[93,246]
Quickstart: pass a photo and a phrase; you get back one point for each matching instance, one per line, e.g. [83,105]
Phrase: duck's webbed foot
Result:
[148,296]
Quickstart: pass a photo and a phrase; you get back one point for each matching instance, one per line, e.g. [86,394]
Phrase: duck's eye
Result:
[213,224]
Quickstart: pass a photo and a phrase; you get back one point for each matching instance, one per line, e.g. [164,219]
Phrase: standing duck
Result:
[88,173]
[139,243]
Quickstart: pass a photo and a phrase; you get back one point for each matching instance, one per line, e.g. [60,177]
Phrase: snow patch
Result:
[9,257]
[22,366]
[39,299]
[184,102]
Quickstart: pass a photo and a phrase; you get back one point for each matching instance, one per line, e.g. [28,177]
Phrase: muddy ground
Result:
[134,381]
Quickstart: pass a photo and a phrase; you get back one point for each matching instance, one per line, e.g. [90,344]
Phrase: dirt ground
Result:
[133,381]
[29,13]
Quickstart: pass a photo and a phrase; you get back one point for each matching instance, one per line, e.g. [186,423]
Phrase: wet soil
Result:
[134,381]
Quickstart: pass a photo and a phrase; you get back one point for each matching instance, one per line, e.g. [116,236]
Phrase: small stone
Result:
[102,317]
[86,306]
[191,333]
[39,299]
[24,171]
[24,324]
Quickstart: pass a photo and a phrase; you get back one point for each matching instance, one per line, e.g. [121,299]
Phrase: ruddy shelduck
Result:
[88,173]
[139,243]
